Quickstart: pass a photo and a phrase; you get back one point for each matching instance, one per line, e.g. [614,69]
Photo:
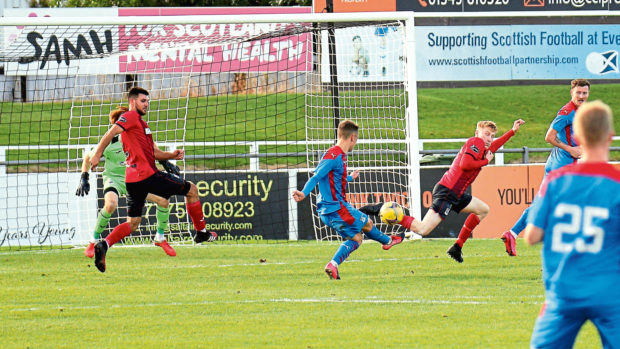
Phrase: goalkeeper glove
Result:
[84,186]
[170,167]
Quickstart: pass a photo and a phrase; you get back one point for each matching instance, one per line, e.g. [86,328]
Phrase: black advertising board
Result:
[255,205]
[505,5]
[359,194]
[238,206]
[451,226]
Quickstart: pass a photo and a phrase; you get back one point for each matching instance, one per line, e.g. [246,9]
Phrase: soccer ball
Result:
[391,213]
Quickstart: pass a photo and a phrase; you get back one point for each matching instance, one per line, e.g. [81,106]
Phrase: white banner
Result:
[49,49]
[41,209]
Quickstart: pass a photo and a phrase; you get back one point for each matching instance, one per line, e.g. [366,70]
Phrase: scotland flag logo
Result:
[602,63]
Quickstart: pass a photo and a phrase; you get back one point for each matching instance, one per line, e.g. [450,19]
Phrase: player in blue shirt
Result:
[332,205]
[576,216]
[565,150]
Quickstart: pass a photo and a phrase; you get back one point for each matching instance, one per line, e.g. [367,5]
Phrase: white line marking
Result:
[279,300]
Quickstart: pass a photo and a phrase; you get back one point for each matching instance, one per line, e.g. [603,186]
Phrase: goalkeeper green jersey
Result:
[114,166]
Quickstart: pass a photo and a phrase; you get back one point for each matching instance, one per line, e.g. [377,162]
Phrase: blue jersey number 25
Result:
[581,219]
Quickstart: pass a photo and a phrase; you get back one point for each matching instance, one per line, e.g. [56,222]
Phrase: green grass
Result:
[223,296]
[443,113]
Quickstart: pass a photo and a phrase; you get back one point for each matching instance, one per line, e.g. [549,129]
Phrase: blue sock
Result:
[521,223]
[377,235]
[345,249]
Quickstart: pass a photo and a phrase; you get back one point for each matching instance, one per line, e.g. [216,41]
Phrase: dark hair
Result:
[135,91]
[580,83]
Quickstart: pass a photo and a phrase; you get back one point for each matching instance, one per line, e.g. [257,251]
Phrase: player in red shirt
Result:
[142,176]
[449,194]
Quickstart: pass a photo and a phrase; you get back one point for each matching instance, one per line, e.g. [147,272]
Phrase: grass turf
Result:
[224,296]
[443,113]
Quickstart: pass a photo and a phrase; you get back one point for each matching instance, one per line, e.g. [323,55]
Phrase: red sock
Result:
[195,212]
[470,223]
[406,222]
[118,233]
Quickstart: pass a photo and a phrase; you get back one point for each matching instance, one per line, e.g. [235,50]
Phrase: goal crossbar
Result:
[217,19]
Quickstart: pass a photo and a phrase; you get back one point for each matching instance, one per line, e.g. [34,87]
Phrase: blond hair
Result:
[593,123]
[486,124]
[346,128]
[116,113]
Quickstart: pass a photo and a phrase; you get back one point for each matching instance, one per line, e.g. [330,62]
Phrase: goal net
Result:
[254,105]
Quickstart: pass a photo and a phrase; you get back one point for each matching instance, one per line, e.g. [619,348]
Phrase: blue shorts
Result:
[557,327]
[347,221]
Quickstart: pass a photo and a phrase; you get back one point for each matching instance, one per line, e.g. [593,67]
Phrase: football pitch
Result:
[275,296]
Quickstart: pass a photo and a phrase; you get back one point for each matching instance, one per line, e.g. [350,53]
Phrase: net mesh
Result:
[253,105]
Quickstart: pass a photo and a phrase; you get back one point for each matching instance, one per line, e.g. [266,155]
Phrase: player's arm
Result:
[325,166]
[164,156]
[103,143]
[533,234]
[84,186]
[469,160]
[552,138]
[177,154]
[498,143]
[558,124]
[353,176]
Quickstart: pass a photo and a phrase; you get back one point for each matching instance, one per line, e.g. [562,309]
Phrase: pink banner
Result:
[230,47]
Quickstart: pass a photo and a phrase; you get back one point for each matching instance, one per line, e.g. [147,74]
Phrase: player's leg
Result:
[165,185]
[110,202]
[352,240]
[477,210]
[606,320]
[510,237]
[440,208]
[194,209]
[136,196]
[556,328]
[162,214]
[354,217]
[423,227]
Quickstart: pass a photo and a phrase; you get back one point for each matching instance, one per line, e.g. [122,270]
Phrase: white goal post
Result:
[254,101]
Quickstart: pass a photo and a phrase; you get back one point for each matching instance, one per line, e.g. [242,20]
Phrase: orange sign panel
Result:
[357,5]
[508,190]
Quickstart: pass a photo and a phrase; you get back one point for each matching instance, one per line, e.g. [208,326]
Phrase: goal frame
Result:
[411,126]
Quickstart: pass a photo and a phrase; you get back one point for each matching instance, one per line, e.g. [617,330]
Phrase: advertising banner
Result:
[508,190]
[42,50]
[505,5]
[449,227]
[237,206]
[42,210]
[517,52]
[50,47]
[356,5]
[285,53]
[360,193]
[366,54]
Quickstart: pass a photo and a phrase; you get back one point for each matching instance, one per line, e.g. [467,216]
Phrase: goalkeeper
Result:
[114,186]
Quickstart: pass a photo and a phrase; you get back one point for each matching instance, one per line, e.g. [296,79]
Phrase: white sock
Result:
[513,234]
[333,262]
[159,237]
